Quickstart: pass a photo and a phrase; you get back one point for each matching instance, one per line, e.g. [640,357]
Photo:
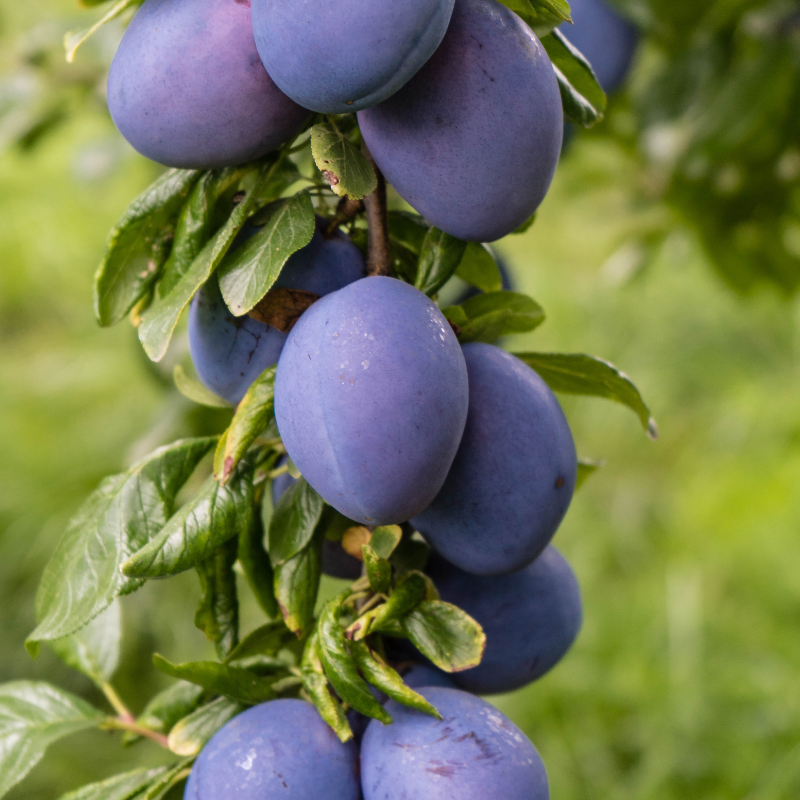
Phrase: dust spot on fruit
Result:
[559,482]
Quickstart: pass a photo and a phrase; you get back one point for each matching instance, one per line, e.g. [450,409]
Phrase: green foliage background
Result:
[683,683]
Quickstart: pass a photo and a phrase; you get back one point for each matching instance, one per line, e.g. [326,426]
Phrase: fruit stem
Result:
[379,261]
[120,724]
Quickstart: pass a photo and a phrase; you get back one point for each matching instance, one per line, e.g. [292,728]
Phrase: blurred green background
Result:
[684,682]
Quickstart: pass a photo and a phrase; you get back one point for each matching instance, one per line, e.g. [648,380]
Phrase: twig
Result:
[119,724]
[379,261]
[346,210]
[116,702]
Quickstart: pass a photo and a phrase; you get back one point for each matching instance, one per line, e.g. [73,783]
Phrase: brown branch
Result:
[379,260]
[345,211]
[282,307]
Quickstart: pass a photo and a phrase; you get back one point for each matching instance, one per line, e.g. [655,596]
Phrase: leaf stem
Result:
[120,724]
[379,261]
[116,702]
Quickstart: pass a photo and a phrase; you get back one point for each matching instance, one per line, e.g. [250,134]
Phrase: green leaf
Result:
[252,416]
[138,245]
[411,589]
[408,229]
[576,373]
[193,390]
[195,224]
[294,521]
[120,787]
[487,317]
[74,39]
[297,585]
[439,257]
[33,715]
[586,467]
[379,570]
[170,706]
[94,649]
[341,163]
[218,613]
[541,15]
[190,735]
[162,785]
[526,225]
[232,682]
[249,272]
[583,99]
[257,568]
[411,555]
[119,518]
[159,321]
[385,539]
[446,635]
[216,514]
[315,683]
[340,667]
[383,677]
[479,269]
[266,640]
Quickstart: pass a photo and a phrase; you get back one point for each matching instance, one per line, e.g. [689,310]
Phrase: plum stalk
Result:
[378,258]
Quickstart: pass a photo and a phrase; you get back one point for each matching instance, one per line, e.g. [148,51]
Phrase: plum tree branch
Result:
[379,259]
[118,724]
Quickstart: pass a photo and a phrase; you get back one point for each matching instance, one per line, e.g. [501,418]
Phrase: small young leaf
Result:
[190,735]
[159,321]
[232,682]
[341,668]
[33,715]
[297,585]
[487,317]
[249,272]
[385,539]
[137,245]
[354,538]
[294,521]
[316,684]
[446,635]
[479,269]
[170,706]
[411,555]
[576,373]
[94,649]
[379,570]
[341,163]
[218,613]
[266,640]
[586,468]
[383,677]
[411,589]
[216,514]
[120,787]
[193,390]
[74,39]
[526,226]
[583,99]
[118,518]
[439,257]
[257,567]
[252,416]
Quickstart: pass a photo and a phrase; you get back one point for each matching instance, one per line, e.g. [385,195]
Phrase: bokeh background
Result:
[669,244]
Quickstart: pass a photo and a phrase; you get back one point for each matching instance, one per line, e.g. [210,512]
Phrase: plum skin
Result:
[607,39]
[531,619]
[513,477]
[473,753]
[230,352]
[371,399]
[280,748]
[187,88]
[473,139]
[356,53]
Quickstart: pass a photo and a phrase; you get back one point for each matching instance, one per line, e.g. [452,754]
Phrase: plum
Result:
[530,618]
[187,88]
[190,790]
[282,748]
[473,753]
[371,399]
[336,561]
[355,53]
[230,352]
[424,675]
[473,139]
[513,477]
[607,39]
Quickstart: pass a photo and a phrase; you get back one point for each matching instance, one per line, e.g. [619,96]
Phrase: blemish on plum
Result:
[559,482]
